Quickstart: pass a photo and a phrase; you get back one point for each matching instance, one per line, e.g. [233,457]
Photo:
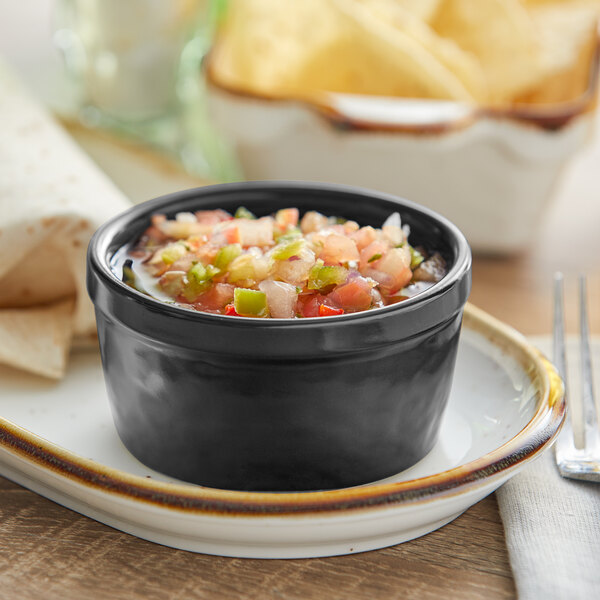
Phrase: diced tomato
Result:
[183,264]
[232,235]
[396,265]
[265,266]
[364,236]
[287,217]
[230,310]
[313,221]
[338,229]
[216,297]
[328,311]
[153,235]
[207,253]
[308,305]
[338,249]
[352,296]
[212,217]
[350,227]
[371,254]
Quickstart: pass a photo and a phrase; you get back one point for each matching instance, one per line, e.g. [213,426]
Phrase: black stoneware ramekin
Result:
[278,404]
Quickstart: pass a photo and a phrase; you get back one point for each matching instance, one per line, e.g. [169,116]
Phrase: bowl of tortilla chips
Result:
[470,107]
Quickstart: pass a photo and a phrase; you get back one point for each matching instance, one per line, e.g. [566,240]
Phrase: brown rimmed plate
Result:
[506,407]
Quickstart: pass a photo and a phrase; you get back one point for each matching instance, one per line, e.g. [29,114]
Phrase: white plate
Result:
[58,439]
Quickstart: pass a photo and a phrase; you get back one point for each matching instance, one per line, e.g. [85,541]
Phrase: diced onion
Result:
[393,219]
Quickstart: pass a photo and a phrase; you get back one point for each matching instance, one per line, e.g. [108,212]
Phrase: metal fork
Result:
[576,457]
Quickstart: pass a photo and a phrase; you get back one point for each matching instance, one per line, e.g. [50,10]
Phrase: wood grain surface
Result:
[52,553]
[49,552]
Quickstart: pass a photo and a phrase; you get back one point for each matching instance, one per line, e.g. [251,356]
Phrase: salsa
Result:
[280,266]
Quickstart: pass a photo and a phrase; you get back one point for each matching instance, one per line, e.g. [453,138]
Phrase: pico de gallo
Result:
[280,266]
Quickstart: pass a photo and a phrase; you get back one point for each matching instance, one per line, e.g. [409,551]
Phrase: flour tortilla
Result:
[37,339]
[52,199]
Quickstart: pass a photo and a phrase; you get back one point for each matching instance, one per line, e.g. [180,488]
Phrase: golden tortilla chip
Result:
[290,48]
[490,52]
[371,56]
[463,64]
[567,36]
[423,9]
[501,35]
[262,44]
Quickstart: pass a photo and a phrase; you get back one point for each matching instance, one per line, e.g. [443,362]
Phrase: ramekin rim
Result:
[102,268]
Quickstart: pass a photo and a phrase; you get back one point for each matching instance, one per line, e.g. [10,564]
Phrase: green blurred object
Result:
[135,67]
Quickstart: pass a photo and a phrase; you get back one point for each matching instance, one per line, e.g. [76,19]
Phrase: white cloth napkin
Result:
[552,524]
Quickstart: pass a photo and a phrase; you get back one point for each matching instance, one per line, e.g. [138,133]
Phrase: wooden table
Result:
[50,552]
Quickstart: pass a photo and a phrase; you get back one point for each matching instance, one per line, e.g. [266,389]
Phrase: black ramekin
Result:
[278,404]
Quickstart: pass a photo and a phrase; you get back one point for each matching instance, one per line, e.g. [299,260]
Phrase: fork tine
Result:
[559,350]
[565,445]
[578,459]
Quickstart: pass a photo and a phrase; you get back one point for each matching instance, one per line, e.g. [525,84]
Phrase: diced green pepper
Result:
[201,273]
[250,303]
[289,249]
[199,280]
[198,273]
[212,271]
[416,258]
[227,254]
[243,213]
[321,276]
[289,236]
[194,288]
[172,253]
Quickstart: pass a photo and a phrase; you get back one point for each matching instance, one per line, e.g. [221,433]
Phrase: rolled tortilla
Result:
[52,198]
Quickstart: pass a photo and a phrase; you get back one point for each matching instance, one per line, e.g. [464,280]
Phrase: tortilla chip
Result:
[567,37]
[490,52]
[423,9]
[370,56]
[37,339]
[263,43]
[501,35]
[462,64]
[301,49]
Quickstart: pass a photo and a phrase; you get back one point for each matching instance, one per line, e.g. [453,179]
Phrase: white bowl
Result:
[490,171]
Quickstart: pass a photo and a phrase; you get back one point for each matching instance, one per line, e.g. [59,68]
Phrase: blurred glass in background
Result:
[134,67]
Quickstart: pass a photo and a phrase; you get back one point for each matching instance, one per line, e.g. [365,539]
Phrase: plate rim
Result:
[536,435]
